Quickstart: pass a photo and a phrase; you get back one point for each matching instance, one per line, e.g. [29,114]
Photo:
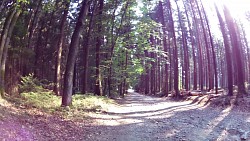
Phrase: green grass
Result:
[90,102]
[45,101]
[50,103]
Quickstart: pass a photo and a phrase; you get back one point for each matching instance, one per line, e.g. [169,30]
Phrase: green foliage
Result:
[41,100]
[48,102]
[23,1]
[90,102]
[31,84]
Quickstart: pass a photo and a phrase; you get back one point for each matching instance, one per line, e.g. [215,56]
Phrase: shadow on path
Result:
[145,118]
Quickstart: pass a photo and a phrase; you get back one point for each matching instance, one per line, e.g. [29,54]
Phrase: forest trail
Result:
[145,118]
[135,118]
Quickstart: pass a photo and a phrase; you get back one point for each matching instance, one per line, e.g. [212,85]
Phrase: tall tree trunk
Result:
[5,39]
[86,55]
[125,84]
[38,52]
[33,23]
[170,50]
[247,52]
[236,50]
[152,76]
[72,55]
[4,33]
[147,75]
[98,85]
[176,71]
[199,48]
[185,69]
[58,72]
[165,47]
[193,49]
[227,53]
[213,51]
[207,46]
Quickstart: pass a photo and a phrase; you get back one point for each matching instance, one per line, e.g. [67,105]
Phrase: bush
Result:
[31,84]
[48,102]
[42,100]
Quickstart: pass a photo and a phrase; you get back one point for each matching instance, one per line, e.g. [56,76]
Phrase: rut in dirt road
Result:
[144,118]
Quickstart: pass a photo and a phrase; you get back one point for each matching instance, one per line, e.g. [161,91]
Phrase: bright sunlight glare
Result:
[237,8]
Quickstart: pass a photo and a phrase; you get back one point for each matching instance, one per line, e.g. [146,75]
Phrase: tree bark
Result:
[58,76]
[4,33]
[5,39]
[176,71]
[165,47]
[72,55]
[147,75]
[86,55]
[247,52]
[213,51]
[193,49]
[185,69]
[207,47]
[152,76]
[227,53]
[236,50]
[98,85]
[32,25]
[200,62]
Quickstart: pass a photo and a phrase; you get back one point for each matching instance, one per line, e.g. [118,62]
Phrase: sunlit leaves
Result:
[23,1]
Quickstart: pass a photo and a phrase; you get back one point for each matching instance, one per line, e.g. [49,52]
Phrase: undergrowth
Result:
[47,101]
[51,104]
[34,96]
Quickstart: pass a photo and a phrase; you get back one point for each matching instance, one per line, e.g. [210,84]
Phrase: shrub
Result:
[31,84]
[42,100]
[48,102]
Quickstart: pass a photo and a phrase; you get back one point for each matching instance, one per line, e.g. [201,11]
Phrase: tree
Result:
[200,54]
[87,46]
[5,40]
[185,69]
[60,48]
[98,85]
[227,53]
[165,47]
[236,49]
[207,46]
[193,47]
[213,51]
[73,50]
[176,69]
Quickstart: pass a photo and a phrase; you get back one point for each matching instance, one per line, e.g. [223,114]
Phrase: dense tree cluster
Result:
[195,55]
[103,47]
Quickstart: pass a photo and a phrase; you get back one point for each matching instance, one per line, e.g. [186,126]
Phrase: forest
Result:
[73,51]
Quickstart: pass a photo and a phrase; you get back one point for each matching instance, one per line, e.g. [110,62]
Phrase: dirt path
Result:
[136,118]
[143,118]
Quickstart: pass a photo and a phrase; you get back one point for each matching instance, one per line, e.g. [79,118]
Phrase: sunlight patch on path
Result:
[141,118]
[140,108]
[215,123]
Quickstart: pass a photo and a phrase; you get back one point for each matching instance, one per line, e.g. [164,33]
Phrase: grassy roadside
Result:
[36,98]
[48,103]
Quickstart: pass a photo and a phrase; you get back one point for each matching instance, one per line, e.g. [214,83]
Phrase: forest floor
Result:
[134,118]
